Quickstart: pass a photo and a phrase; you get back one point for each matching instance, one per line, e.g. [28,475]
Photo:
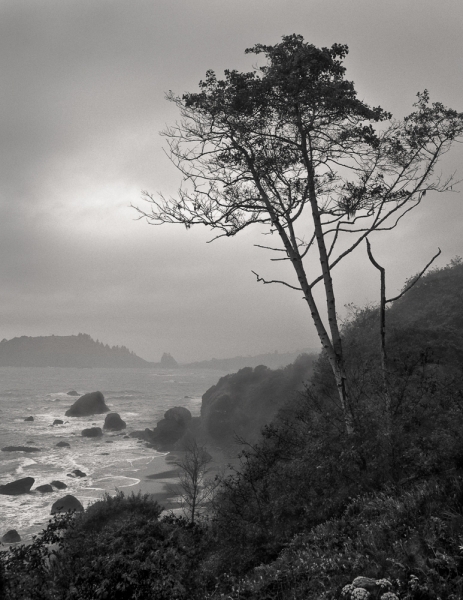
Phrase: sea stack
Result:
[88,404]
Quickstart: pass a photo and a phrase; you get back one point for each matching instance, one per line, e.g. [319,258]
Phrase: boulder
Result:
[63,445]
[11,537]
[44,489]
[114,422]
[88,404]
[59,485]
[29,419]
[58,422]
[20,449]
[92,432]
[77,473]
[15,488]
[65,504]
[73,393]
[179,414]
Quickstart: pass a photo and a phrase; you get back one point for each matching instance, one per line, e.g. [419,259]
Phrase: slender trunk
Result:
[334,357]
[337,357]
[332,347]
[337,360]
[382,327]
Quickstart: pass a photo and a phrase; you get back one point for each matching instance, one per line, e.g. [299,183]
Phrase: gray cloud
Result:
[82,100]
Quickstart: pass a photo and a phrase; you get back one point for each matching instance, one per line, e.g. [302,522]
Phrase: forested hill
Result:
[65,351]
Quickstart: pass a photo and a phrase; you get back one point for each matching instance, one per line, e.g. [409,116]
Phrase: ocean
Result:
[140,396]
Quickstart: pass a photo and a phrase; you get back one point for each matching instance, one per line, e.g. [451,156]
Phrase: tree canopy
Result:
[290,146]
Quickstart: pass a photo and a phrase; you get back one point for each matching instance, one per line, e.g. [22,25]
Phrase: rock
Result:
[44,489]
[179,414]
[114,422]
[88,404]
[58,422]
[11,537]
[66,503]
[92,432]
[109,442]
[59,485]
[77,473]
[168,361]
[20,449]
[73,393]
[63,445]
[15,488]
[28,419]
[367,583]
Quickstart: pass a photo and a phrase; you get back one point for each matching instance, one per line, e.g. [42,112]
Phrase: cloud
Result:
[82,100]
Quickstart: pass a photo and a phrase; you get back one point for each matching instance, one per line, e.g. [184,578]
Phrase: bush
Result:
[410,537]
[119,548]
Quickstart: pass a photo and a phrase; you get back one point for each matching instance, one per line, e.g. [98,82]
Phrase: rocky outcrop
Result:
[168,361]
[172,427]
[73,393]
[179,414]
[59,485]
[29,419]
[63,445]
[88,404]
[242,403]
[20,449]
[58,422]
[11,537]
[113,422]
[15,488]
[44,489]
[168,431]
[77,473]
[92,432]
[65,504]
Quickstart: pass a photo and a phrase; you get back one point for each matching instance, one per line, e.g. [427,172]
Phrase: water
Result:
[140,396]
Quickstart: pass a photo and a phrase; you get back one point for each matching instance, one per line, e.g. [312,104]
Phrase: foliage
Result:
[310,509]
[290,147]
[304,470]
[118,549]
[240,404]
[409,538]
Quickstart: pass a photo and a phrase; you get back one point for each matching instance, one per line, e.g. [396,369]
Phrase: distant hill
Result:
[65,351]
[273,360]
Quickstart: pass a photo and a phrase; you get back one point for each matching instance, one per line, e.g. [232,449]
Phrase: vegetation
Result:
[290,147]
[65,351]
[240,404]
[311,512]
[354,490]
[195,488]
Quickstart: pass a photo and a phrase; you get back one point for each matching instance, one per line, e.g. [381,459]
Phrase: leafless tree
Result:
[196,490]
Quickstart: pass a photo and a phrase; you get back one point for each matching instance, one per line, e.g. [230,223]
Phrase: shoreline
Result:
[154,479]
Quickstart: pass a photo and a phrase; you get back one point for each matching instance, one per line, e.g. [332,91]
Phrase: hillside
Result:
[272,360]
[65,351]
[306,512]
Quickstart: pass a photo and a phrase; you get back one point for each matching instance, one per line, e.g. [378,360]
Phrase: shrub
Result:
[119,548]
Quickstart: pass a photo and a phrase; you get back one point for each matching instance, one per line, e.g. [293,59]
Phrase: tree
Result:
[382,324]
[195,490]
[291,147]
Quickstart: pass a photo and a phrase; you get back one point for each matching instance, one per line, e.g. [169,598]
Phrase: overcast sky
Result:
[82,103]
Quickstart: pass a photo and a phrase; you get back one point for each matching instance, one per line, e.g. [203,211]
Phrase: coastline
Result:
[157,479]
